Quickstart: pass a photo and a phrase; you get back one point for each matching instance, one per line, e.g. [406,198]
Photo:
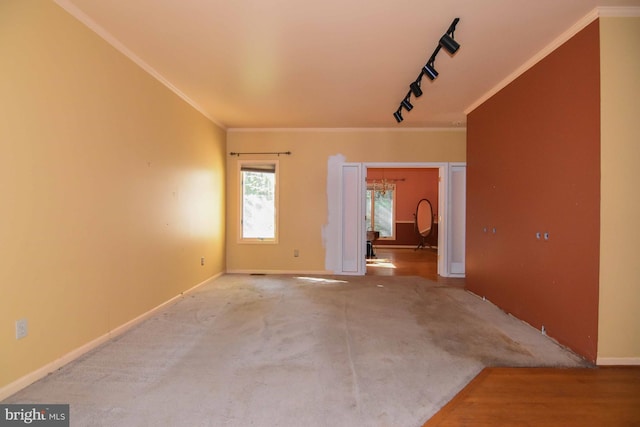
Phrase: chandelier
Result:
[382,185]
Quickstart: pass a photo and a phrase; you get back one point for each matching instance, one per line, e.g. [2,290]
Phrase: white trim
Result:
[74,11]
[619,11]
[252,240]
[572,31]
[449,223]
[618,361]
[605,11]
[415,129]
[331,241]
[287,272]
[45,370]
[352,225]
[443,168]
[443,226]
[406,165]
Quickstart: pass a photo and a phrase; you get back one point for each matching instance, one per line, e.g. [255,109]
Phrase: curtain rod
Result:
[288,153]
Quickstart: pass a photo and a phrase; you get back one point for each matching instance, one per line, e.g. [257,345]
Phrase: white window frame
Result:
[255,240]
[371,187]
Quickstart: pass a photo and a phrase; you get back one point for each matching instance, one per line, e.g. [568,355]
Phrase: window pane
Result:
[383,211]
[258,205]
[379,210]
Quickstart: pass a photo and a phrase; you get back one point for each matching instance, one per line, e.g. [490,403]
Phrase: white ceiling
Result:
[332,63]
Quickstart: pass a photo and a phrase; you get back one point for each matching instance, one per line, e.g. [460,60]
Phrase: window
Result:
[259,201]
[380,206]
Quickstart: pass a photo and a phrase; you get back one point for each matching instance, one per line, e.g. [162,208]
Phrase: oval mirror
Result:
[424,220]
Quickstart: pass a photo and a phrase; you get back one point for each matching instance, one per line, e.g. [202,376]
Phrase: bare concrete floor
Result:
[285,351]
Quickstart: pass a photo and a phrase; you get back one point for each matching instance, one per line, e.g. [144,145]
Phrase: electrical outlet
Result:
[202,261]
[21,328]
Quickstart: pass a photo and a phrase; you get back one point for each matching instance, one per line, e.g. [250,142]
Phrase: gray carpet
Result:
[291,351]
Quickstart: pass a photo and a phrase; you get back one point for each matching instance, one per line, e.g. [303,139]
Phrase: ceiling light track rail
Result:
[451,46]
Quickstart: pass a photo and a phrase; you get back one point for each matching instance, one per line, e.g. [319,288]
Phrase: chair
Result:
[372,236]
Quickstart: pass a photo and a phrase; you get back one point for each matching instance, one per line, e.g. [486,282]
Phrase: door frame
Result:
[444,230]
[352,223]
[454,258]
[442,199]
[341,247]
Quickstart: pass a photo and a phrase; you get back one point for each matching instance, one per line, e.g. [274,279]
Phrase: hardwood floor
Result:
[606,396]
[408,262]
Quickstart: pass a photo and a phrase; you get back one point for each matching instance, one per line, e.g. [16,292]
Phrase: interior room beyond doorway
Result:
[393,194]
[392,197]
[409,262]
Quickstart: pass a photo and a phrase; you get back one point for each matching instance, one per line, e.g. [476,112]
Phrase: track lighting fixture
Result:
[415,88]
[450,45]
[447,41]
[430,71]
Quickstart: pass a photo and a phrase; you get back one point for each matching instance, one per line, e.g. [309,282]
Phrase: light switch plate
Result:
[21,328]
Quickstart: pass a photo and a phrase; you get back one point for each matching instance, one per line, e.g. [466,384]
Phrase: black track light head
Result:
[398,116]
[407,104]
[430,71]
[449,43]
[415,88]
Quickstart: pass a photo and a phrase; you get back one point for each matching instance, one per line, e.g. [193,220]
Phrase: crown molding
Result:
[609,11]
[565,36]
[74,11]
[619,11]
[354,130]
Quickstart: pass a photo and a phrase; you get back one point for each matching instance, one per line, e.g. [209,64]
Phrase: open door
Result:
[457,219]
[345,232]
[353,245]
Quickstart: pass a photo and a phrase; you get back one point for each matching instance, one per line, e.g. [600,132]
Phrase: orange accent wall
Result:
[533,165]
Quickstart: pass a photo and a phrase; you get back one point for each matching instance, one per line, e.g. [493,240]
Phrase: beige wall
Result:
[303,176]
[619,310]
[113,188]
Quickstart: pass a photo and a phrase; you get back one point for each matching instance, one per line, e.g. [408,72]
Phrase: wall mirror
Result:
[423,221]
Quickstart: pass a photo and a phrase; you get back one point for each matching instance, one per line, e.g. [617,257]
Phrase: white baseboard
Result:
[290,272]
[45,370]
[618,361]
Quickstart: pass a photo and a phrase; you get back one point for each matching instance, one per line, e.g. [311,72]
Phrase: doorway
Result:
[345,233]
[394,246]
[435,188]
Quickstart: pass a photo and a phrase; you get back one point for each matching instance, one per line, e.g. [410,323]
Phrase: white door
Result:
[457,195]
[353,225]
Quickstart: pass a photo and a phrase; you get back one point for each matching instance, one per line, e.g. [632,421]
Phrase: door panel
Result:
[457,219]
[353,237]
